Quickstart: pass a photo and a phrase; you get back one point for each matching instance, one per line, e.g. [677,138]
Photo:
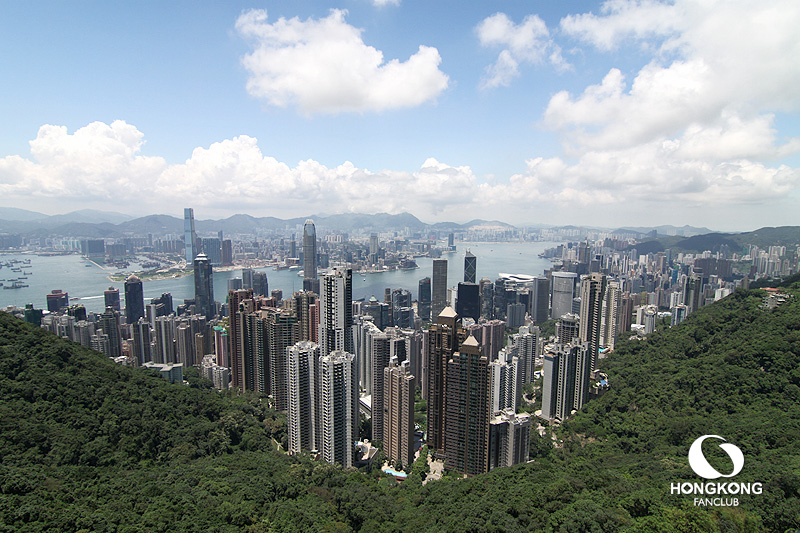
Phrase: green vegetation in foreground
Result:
[88,445]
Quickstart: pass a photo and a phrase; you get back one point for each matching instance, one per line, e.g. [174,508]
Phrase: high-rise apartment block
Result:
[509,438]
[444,339]
[303,400]
[235,335]
[398,412]
[339,407]
[567,370]
[593,296]
[336,312]
[466,431]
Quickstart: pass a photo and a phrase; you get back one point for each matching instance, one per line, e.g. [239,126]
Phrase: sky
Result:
[609,114]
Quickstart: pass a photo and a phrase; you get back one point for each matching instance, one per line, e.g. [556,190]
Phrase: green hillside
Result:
[88,445]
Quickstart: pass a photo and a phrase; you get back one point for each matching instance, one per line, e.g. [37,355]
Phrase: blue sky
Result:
[603,113]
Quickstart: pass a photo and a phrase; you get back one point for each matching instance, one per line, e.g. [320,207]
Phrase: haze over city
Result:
[614,113]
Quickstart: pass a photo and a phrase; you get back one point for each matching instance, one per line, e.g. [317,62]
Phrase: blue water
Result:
[70,274]
[392,471]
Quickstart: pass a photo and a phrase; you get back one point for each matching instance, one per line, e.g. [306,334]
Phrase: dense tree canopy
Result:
[86,444]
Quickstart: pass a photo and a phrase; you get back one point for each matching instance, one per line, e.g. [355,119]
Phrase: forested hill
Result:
[88,445]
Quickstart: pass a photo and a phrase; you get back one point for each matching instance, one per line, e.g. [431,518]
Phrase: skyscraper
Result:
[189,235]
[141,341]
[109,323]
[563,291]
[567,369]
[235,350]
[260,284]
[504,381]
[247,278]
[540,300]
[212,247]
[336,313]
[486,288]
[398,412]
[379,354]
[470,267]
[424,299]
[134,299]
[439,287]
[283,331]
[309,250]
[509,439]
[301,420]
[204,287]
[593,293]
[111,298]
[610,314]
[468,301]
[444,339]
[339,406]
[466,440]
[402,315]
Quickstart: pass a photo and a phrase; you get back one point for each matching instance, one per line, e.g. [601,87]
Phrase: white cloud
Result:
[624,19]
[696,123]
[99,165]
[711,59]
[324,66]
[381,3]
[98,162]
[527,42]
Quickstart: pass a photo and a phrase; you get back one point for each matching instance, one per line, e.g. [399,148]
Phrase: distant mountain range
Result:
[106,224]
[102,224]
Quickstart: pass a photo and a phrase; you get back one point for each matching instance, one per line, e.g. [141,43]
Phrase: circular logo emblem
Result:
[700,465]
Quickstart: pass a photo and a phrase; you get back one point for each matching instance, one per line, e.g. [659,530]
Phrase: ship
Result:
[16,285]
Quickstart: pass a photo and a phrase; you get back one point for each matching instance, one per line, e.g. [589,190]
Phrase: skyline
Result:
[606,114]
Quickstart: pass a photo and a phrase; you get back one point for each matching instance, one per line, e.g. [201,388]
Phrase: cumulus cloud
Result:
[324,66]
[101,164]
[99,161]
[527,42]
[696,124]
[711,60]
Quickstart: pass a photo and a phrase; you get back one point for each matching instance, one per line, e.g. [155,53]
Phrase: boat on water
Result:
[16,285]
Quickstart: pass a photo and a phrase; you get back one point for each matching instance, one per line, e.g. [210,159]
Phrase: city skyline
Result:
[609,114]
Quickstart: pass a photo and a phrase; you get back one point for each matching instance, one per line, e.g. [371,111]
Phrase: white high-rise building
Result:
[336,312]
[339,407]
[504,379]
[303,415]
[610,314]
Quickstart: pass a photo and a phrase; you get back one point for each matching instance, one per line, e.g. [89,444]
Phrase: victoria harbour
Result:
[85,281]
